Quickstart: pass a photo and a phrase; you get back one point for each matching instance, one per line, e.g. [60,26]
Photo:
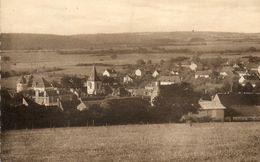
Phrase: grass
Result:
[158,142]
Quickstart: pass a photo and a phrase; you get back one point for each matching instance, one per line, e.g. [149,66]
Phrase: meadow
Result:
[150,142]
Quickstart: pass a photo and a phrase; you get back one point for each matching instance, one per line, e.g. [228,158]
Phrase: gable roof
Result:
[211,105]
[93,76]
[41,82]
[129,76]
[111,71]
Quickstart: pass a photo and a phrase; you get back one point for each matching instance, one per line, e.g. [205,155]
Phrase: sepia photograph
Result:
[130,80]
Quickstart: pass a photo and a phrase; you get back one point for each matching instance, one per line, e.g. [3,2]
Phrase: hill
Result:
[23,41]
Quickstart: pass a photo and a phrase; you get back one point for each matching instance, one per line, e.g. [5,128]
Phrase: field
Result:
[158,142]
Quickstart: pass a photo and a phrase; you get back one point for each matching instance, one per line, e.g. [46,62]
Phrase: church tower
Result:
[155,92]
[94,84]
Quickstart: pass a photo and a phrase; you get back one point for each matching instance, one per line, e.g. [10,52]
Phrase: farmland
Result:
[67,52]
[151,142]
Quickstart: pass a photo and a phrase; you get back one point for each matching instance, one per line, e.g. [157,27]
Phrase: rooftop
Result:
[93,76]
[175,79]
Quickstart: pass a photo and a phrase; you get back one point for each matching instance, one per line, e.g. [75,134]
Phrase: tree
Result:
[162,62]
[149,62]
[251,49]
[71,82]
[176,100]
[140,62]
[248,87]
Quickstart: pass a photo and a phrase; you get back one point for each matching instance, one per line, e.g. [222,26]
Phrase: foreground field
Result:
[162,142]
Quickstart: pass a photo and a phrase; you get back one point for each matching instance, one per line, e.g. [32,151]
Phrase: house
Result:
[120,91]
[44,93]
[94,83]
[48,97]
[241,72]
[24,83]
[223,74]
[203,74]
[256,68]
[213,109]
[174,72]
[168,80]
[156,73]
[110,73]
[226,71]
[138,72]
[236,66]
[252,79]
[193,66]
[128,79]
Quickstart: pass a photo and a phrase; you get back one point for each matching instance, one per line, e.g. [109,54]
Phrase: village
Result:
[225,90]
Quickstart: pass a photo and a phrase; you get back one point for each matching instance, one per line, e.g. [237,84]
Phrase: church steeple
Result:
[94,83]
[93,76]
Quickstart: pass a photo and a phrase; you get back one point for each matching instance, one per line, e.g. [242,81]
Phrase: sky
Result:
[67,17]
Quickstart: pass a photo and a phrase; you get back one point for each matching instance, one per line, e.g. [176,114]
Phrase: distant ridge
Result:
[29,41]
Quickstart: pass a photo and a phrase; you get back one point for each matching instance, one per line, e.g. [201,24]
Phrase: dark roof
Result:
[93,76]
[204,72]
[51,93]
[239,99]
[41,82]
[251,78]
[22,80]
[157,71]
[69,104]
[174,78]
[130,76]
